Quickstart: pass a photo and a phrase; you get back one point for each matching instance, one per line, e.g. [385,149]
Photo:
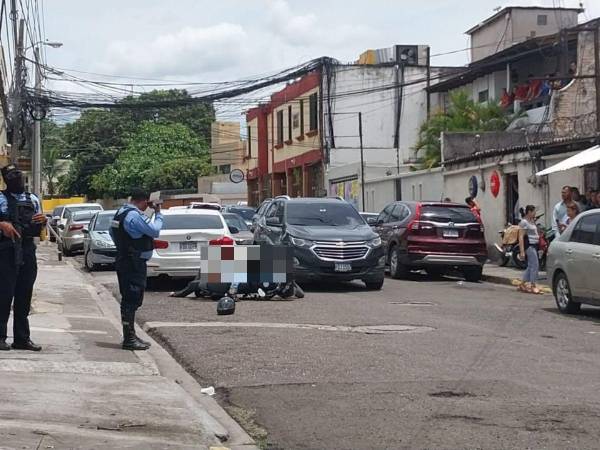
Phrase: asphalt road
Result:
[461,366]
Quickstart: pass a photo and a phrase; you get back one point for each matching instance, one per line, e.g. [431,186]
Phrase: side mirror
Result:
[61,226]
[372,221]
[233,230]
[273,221]
[85,231]
[378,221]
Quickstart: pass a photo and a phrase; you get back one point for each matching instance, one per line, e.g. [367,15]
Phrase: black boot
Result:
[26,345]
[130,340]
[4,345]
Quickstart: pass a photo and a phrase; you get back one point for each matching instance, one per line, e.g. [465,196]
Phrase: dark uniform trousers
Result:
[16,289]
[131,273]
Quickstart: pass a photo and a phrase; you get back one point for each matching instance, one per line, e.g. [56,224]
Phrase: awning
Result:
[583,158]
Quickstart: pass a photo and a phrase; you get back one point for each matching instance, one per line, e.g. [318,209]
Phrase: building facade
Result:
[285,151]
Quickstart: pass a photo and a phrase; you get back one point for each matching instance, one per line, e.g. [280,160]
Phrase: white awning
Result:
[583,158]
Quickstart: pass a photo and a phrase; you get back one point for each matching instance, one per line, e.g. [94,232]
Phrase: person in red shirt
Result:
[506,99]
[475,209]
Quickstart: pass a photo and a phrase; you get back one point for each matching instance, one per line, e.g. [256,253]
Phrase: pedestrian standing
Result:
[133,233]
[528,248]
[559,213]
[21,220]
[572,211]
[475,209]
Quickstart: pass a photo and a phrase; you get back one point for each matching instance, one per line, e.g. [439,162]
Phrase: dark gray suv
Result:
[330,240]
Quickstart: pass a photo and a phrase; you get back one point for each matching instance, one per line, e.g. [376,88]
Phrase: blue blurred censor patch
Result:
[245,264]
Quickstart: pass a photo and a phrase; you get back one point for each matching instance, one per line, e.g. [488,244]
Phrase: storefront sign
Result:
[495,183]
[236,176]
[473,186]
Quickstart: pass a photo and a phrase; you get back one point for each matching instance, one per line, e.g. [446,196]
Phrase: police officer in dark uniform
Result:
[133,233]
[21,220]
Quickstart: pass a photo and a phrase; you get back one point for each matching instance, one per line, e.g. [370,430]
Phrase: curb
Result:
[215,418]
[495,279]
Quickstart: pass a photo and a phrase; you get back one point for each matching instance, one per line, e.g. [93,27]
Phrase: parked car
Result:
[245,212]
[204,205]
[61,213]
[434,236]
[177,249]
[72,232]
[260,211]
[370,218]
[330,240]
[235,223]
[98,246]
[574,264]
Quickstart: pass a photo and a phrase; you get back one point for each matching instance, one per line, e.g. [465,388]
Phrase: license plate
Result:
[339,267]
[188,246]
[450,233]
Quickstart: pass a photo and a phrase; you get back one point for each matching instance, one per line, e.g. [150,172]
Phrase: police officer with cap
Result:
[133,233]
[21,220]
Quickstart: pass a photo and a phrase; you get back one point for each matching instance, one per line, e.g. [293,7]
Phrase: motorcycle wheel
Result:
[521,264]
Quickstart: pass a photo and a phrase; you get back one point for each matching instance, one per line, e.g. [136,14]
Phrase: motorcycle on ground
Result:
[241,291]
[509,250]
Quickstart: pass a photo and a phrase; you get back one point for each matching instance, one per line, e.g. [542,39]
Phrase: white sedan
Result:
[177,249]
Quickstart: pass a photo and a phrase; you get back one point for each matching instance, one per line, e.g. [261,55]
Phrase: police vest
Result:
[20,213]
[126,245]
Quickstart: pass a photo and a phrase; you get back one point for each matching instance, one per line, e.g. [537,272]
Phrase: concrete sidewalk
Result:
[83,391]
[493,273]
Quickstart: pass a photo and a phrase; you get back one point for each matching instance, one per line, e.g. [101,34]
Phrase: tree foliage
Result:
[97,139]
[463,114]
[53,146]
[156,156]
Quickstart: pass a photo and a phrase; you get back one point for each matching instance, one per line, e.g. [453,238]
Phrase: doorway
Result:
[512,199]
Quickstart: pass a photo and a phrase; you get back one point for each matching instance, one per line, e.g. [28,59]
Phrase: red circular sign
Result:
[495,183]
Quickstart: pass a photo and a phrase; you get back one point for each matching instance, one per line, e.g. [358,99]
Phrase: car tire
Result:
[397,269]
[473,274]
[374,285]
[563,296]
[89,265]
[65,251]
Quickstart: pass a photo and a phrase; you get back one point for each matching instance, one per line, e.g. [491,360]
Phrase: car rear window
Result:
[456,214]
[245,213]
[83,216]
[191,222]
[236,221]
[323,214]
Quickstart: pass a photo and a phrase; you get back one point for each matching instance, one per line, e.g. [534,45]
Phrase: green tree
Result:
[157,156]
[463,115]
[53,145]
[96,139]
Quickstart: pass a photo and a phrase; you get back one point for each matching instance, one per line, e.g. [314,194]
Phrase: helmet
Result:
[225,306]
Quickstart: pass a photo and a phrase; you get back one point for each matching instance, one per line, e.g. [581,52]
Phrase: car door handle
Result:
[569,251]
[596,255]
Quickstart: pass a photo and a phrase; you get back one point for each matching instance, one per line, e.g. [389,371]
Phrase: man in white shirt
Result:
[559,213]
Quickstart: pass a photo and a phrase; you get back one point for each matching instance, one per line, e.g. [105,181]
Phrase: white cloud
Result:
[189,51]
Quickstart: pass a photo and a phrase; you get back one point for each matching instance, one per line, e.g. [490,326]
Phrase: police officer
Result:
[21,220]
[133,233]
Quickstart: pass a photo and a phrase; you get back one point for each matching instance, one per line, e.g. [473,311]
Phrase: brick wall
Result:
[573,108]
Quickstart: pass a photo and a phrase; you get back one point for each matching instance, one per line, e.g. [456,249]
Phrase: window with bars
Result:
[314,112]
[290,123]
[280,127]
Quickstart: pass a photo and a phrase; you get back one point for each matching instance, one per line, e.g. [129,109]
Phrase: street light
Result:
[37,132]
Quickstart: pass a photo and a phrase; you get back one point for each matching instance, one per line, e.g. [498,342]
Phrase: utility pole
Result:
[36,156]
[362,161]
[18,84]
[597,73]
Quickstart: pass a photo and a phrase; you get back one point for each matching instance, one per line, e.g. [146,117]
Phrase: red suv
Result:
[433,236]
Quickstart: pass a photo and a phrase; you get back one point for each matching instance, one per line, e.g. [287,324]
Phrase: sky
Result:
[224,40]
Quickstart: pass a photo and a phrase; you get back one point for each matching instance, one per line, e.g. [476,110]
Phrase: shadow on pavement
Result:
[587,314]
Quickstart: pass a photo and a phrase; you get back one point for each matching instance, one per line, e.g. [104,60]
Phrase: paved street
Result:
[446,364]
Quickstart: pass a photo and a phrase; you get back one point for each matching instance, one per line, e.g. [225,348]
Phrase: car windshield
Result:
[245,213]
[456,214]
[233,220]
[323,214]
[191,222]
[103,222]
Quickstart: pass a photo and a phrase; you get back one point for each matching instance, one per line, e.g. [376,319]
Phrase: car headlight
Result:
[297,242]
[374,243]
[103,244]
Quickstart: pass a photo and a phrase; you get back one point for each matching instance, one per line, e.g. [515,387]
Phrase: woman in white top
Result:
[528,247]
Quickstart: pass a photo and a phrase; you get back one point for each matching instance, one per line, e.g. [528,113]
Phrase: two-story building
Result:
[285,150]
